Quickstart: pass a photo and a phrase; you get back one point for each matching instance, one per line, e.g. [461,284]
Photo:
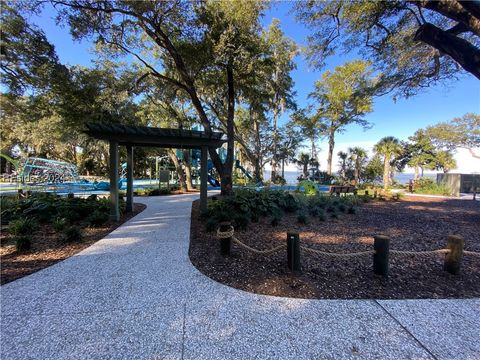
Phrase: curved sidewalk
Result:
[135,295]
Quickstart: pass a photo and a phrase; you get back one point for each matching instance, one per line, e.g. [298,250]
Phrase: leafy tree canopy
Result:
[412,43]
[462,132]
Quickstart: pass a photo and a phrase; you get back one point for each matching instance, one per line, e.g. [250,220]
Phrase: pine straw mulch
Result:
[413,223]
[48,248]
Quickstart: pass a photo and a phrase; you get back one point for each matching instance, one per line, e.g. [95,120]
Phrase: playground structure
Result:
[39,174]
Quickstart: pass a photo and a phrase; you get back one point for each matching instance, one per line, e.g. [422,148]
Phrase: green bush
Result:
[334,215]
[342,208]
[23,243]
[241,221]
[351,210]
[428,186]
[72,234]
[211,224]
[97,218]
[321,216]
[25,226]
[59,223]
[302,218]
[275,220]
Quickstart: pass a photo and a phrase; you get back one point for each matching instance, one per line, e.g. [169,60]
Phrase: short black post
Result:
[293,251]
[381,246]
[453,259]
[225,243]
[366,192]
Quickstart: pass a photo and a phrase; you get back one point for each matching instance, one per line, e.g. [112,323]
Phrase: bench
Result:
[344,189]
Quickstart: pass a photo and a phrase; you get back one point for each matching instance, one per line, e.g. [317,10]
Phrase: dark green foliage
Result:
[24,226]
[302,218]
[334,215]
[313,211]
[342,208]
[47,207]
[23,243]
[255,217]
[351,210]
[241,221]
[331,209]
[97,218]
[72,234]
[211,224]
[275,220]
[321,216]
[59,223]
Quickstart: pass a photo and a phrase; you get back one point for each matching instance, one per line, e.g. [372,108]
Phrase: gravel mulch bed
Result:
[415,223]
[48,248]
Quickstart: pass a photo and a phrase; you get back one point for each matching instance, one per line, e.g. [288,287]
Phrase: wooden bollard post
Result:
[453,259]
[225,243]
[293,251]
[381,246]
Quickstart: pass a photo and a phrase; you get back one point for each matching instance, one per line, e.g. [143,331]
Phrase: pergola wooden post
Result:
[203,179]
[114,210]
[131,136]
[129,178]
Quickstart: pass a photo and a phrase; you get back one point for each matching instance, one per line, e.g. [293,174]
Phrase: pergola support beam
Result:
[203,179]
[114,201]
[129,207]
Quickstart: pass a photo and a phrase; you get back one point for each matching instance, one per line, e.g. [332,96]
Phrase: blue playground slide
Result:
[214,182]
[242,169]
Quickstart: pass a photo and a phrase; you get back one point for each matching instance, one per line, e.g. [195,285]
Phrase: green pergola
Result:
[143,136]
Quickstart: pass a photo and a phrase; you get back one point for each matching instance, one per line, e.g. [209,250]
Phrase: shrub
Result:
[302,218]
[72,234]
[23,243]
[313,211]
[322,216]
[59,223]
[342,208]
[23,226]
[430,187]
[241,221]
[275,220]
[331,208]
[334,215]
[211,224]
[159,192]
[352,210]
[70,215]
[97,218]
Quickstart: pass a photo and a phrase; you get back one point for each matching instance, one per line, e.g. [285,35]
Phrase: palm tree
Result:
[304,160]
[343,163]
[357,156]
[388,146]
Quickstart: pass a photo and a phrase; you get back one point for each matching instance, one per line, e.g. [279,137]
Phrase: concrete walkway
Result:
[135,295]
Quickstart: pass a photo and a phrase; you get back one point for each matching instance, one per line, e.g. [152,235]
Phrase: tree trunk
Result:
[274,145]
[386,172]
[227,168]
[188,170]
[178,169]
[460,50]
[283,168]
[331,145]
[415,176]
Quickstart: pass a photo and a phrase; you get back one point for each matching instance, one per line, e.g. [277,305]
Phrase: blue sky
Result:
[401,118]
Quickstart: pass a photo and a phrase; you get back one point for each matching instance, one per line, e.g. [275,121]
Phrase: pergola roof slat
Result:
[151,136]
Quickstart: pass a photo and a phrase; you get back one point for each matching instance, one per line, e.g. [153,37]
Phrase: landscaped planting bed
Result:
[43,229]
[413,223]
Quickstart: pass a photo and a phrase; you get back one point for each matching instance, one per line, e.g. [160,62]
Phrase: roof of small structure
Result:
[158,137]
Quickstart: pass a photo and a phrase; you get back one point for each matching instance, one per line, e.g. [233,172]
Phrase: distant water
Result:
[291,177]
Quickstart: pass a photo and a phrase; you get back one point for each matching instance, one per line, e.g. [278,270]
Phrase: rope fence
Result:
[337,255]
[381,252]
